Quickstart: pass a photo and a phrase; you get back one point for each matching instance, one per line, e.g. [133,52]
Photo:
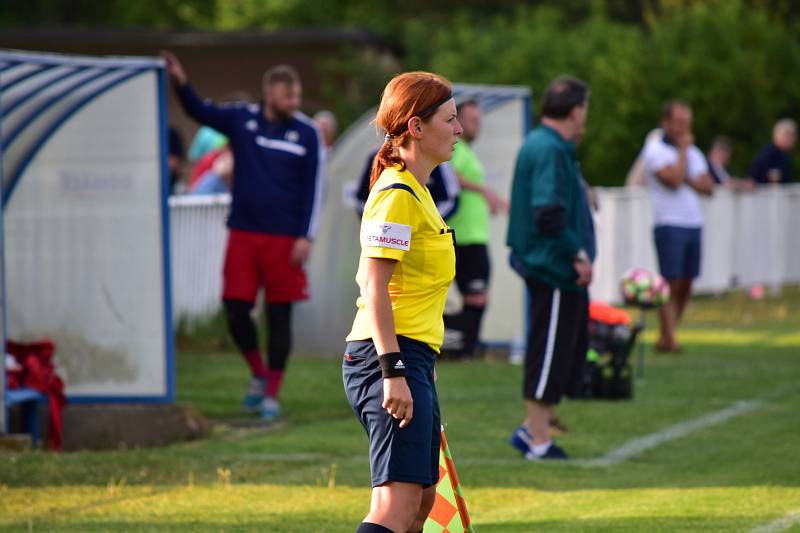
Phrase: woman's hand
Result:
[397,400]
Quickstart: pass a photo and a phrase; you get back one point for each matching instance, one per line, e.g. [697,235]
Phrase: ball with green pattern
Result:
[643,288]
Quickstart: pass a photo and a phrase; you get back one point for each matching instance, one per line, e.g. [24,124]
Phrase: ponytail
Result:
[386,157]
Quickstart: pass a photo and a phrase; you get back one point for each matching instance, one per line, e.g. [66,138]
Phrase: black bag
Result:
[607,374]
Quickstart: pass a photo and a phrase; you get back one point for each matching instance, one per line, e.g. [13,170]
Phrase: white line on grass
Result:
[628,450]
[638,446]
[781,524]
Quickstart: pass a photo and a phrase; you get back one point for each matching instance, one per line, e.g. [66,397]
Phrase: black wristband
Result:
[392,365]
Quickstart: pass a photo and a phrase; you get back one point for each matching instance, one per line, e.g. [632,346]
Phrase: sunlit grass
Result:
[310,472]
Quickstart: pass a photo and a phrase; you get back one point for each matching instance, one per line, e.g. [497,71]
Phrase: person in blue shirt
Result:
[276,199]
[443,185]
[773,164]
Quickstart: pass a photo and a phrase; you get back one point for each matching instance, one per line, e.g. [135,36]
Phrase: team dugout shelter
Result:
[85,251]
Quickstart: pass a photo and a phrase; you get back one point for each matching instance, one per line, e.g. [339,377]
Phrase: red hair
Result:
[407,95]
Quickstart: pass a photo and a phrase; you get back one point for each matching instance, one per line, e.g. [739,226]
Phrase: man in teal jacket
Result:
[545,233]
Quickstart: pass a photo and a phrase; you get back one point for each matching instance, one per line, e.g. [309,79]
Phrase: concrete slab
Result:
[115,426]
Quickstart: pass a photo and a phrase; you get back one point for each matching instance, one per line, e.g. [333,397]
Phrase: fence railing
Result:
[749,237]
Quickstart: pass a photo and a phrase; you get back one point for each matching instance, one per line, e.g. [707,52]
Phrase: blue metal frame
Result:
[47,104]
[24,77]
[138,66]
[528,103]
[169,335]
[46,84]
[49,59]
[15,177]
[4,406]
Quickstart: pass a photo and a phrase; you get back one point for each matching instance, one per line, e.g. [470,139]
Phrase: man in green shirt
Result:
[471,223]
[546,234]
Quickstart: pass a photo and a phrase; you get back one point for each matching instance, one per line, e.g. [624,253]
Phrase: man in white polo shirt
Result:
[677,174]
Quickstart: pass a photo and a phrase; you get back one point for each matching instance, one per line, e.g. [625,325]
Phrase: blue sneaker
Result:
[270,409]
[552,453]
[255,394]
[521,440]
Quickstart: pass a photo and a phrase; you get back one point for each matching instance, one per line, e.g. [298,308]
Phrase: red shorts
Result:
[254,260]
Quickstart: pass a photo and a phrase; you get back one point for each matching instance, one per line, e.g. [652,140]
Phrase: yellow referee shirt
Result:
[401,222]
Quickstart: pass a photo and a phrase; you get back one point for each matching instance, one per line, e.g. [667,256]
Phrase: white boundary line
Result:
[627,450]
[781,524]
[638,446]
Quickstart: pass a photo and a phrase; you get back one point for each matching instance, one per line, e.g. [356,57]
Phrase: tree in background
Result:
[736,61]
[736,64]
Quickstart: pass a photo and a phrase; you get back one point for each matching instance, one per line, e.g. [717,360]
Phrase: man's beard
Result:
[280,114]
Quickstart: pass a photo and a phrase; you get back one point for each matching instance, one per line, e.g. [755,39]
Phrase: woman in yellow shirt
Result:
[406,266]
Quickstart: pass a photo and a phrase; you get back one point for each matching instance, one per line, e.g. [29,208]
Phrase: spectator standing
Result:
[217,179]
[442,184]
[204,141]
[327,124]
[275,207]
[476,202]
[177,156]
[773,164]
[718,157]
[546,233]
[678,175]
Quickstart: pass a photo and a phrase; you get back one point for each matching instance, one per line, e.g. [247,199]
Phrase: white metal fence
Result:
[748,238]
[197,240]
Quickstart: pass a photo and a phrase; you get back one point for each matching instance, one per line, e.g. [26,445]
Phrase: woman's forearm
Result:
[379,311]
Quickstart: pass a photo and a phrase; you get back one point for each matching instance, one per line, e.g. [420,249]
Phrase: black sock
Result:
[279,333]
[369,527]
[468,322]
[471,322]
[241,325]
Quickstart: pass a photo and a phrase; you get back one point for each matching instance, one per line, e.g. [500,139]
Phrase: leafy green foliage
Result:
[736,61]
[736,65]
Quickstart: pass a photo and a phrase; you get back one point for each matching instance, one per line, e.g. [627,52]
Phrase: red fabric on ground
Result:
[38,373]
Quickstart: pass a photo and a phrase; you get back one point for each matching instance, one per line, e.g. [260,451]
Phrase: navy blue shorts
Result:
[410,454]
[678,251]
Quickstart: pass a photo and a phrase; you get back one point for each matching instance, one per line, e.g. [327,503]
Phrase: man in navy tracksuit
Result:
[276,198]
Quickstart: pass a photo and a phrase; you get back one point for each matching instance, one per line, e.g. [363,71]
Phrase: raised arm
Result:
[221,118]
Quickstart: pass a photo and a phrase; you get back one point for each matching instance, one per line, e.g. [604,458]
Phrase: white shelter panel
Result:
[84,227]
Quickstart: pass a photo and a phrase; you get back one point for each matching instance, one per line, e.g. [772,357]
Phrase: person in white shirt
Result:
[677,175]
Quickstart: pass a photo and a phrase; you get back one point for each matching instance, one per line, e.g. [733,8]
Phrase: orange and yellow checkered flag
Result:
[449,513]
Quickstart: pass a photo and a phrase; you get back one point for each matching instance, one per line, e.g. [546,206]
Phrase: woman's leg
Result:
[396,505]
[428,497]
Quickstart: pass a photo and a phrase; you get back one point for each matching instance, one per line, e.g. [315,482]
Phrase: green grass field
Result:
[310,472]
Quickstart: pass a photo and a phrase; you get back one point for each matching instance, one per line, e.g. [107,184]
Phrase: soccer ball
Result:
[644,288]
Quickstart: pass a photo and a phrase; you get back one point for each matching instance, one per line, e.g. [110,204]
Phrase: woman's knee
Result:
[425,506]
[396,505]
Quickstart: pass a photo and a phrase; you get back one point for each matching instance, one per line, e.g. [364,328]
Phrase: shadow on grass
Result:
[303,523]
[728,524]
[481,406]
